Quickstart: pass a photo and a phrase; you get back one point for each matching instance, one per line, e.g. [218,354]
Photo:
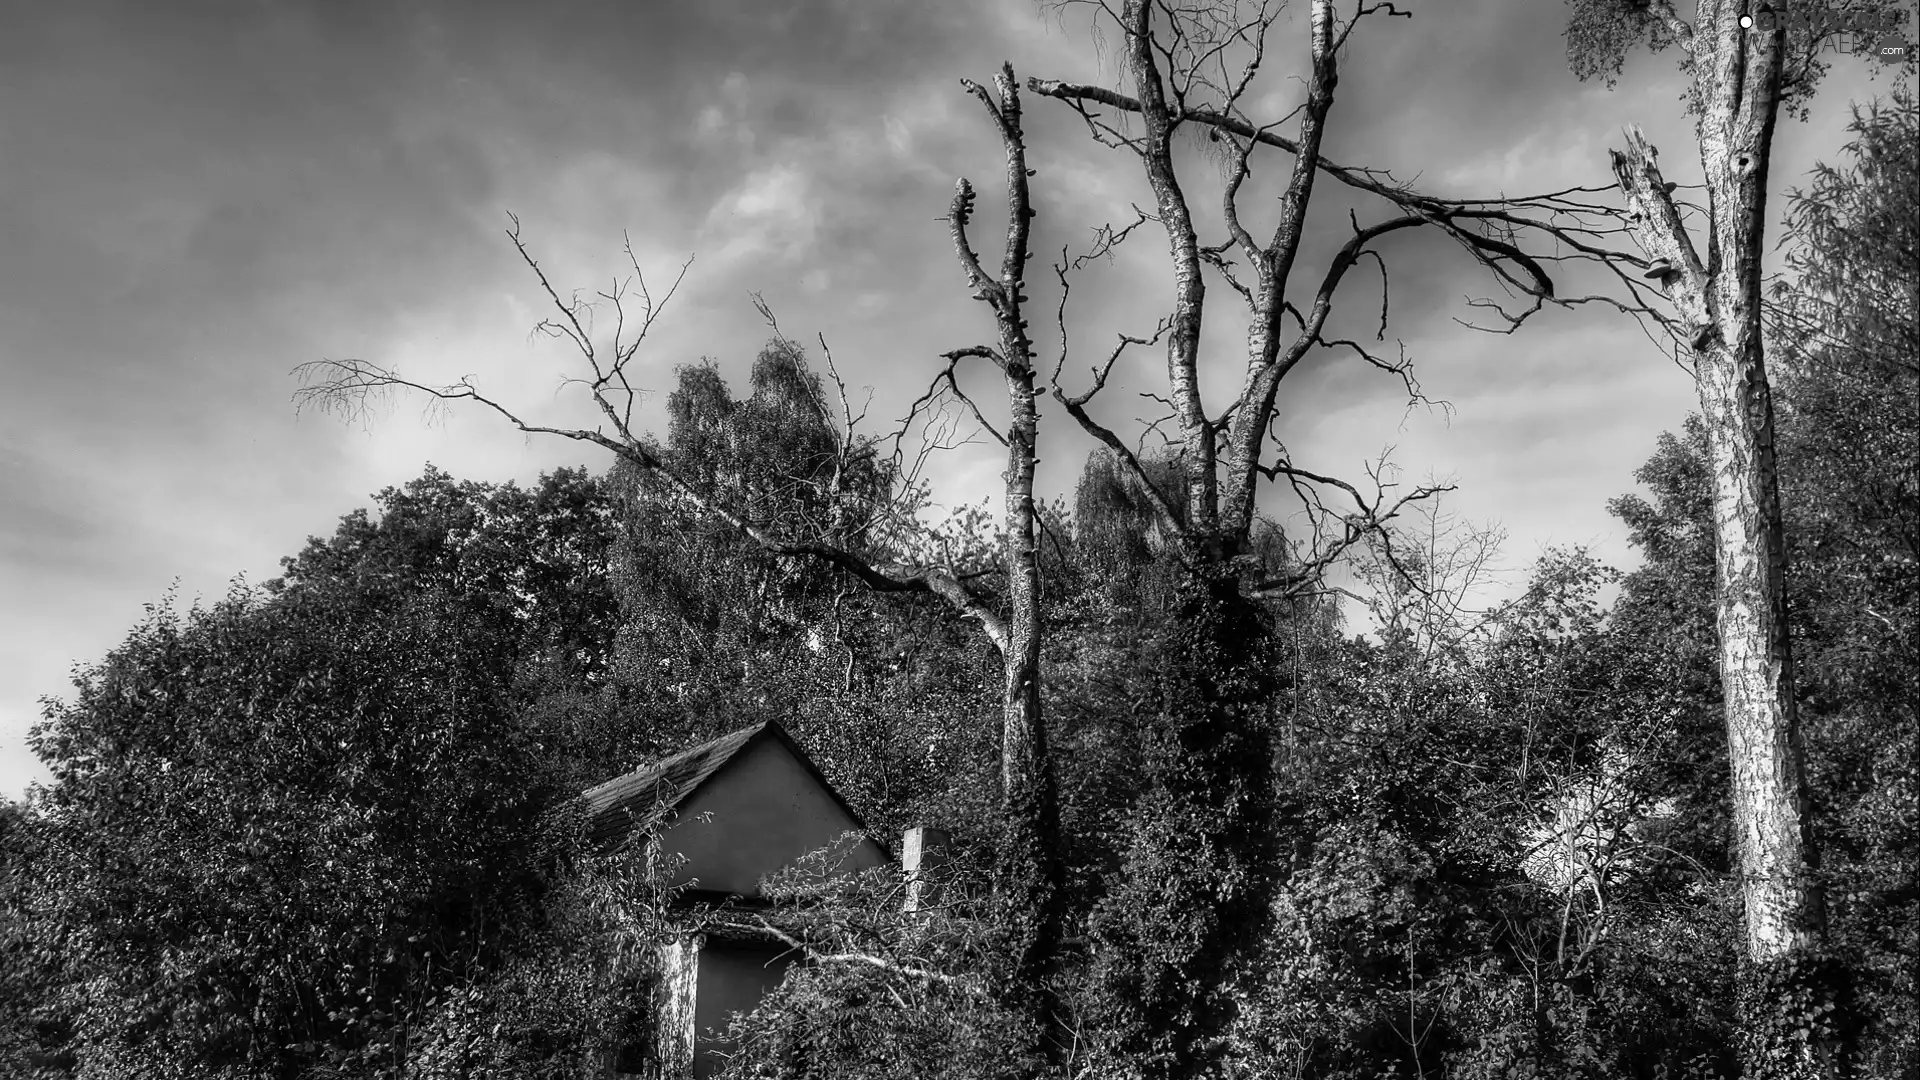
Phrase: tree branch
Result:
[969,986]
[351,386]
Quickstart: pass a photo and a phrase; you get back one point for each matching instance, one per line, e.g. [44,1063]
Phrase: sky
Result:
[196,197]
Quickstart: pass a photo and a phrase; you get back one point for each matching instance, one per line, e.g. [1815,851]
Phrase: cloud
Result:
[199,196]
[768,214]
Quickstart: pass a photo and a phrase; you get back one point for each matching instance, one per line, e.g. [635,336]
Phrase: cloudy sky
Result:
[195,197]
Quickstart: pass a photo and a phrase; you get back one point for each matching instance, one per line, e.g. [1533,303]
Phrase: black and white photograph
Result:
[959,539]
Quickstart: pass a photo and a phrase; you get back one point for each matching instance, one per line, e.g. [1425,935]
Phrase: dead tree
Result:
[1190,69]
[1176,58]
[1028,881]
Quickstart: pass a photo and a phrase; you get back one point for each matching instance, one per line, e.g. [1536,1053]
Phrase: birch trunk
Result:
[1199,437]
[1737,85]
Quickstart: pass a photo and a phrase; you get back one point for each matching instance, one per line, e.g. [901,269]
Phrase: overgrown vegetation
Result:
[322,828]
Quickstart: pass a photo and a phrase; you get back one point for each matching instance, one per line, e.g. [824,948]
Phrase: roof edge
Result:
[760,732]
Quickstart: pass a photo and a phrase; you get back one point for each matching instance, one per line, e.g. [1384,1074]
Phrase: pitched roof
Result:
[637,800]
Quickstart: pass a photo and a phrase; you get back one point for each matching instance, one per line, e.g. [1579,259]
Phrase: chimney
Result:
[923,857]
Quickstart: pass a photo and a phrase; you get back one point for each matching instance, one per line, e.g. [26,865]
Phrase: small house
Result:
[730,812]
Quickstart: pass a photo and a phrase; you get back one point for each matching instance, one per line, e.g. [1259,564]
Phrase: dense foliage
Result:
[1847,338]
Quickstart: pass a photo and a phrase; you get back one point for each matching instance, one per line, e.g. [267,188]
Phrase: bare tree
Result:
[1192,68]
[1029,880]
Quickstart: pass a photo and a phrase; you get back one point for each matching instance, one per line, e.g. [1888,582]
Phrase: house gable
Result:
[759,813]
[731,811]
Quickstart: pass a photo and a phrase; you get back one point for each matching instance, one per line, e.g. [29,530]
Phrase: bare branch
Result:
[349,386]
[953,383]
[1216,258]
[958,214]
[1161,502]
[1560,216]
[1368,523]
[1105,239]
[970,986]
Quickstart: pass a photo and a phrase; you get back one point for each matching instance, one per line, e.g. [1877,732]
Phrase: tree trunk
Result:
[1783,903]
[1029,874]
[1199,457]
[1027,881]
[1793,999]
